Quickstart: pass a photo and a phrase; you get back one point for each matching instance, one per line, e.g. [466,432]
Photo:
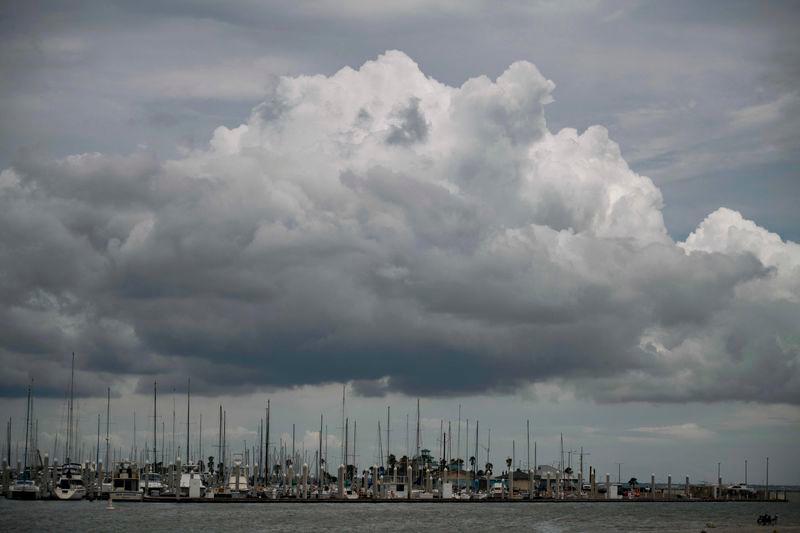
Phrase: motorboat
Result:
[70,484]
[238,484]
[191,484]
[25,489]
[151,484]
[125,482]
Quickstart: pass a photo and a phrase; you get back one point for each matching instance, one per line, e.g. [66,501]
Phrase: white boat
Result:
[125,482]
[70,483]
[191,483]
[498,490]
[237,481]
[25,489]
[151,484]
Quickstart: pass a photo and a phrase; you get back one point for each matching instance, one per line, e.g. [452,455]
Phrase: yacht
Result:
[151,484]
[191,483]
[25,489]
[237,481]
[125,482]
[70,483]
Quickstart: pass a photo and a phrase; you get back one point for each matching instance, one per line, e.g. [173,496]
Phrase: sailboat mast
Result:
[27,426]
[155,430]
[188,413]
[388,425]
[69,417]
[108,414]
[97,448]
[417,447]
[266,443]
[344,429]
[528,425]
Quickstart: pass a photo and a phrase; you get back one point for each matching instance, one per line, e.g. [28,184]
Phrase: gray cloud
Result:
[302,248]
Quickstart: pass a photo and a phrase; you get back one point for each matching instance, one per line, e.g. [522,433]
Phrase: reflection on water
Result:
[544,517]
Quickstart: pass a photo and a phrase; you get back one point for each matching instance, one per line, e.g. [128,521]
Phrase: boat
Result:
[25,489]
[151,484]
[350,494]
[238,485]
[125,482]
[70,484]
[191,483]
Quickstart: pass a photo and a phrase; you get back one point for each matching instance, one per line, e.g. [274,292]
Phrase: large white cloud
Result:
[379,226]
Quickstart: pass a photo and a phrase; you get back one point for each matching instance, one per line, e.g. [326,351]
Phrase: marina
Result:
[270,473]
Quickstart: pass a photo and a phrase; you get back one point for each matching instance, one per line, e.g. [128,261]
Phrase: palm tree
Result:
[508,463]
[472,462]
[633,483]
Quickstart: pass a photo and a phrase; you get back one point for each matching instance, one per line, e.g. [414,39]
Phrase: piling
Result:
[340,481]
[305,481]
[608,486]
[653,486]
[669,486]
[531,483]
[686,491]
[409,482]
[6,478]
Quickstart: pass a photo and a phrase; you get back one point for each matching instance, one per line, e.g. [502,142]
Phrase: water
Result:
[542,517]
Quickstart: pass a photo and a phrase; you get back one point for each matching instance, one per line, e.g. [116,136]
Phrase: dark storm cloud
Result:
[302,248]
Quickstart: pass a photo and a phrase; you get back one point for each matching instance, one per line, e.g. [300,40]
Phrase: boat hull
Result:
[24,494]
[127,496]
[70,494]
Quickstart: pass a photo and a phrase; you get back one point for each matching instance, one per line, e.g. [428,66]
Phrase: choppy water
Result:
[543,517]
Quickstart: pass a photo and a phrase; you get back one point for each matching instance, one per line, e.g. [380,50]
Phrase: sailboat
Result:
[70,484]
[25,488]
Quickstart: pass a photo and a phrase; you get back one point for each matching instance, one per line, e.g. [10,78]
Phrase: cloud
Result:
[381,227]
[688,431]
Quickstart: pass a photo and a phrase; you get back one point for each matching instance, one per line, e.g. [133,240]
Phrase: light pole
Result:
[619,472]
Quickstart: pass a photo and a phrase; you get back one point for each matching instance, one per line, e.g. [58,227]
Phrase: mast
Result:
[355,434]
[417,447]
[388,425]
[266,442]
[319,455]
[528,423]
[219,439]
[155,430]
[173,425]
[69,417]
[188,413]
[477,426]
[380,443]
[27,426]
[458,443]
[200,439]
[108,414]
[344,429]
[97,448]
[489,445]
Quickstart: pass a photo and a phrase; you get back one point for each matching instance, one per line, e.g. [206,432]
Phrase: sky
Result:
[581,214]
